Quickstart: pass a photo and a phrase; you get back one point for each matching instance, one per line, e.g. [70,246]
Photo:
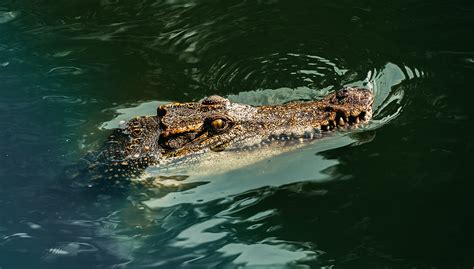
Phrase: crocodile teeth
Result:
[356,120]
[341,122]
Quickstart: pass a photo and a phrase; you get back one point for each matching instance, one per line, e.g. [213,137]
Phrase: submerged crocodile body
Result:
[181,130]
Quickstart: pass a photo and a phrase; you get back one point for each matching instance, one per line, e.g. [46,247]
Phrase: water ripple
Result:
[286,70]
[70,249]
[7,16]
[66,70]
[64,99]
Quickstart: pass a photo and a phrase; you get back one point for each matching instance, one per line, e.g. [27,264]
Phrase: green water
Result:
[398,194]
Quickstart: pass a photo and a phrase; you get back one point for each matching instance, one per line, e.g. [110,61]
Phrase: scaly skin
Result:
[180,130]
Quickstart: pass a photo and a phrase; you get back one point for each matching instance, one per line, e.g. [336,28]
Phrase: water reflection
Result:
[267,254]
[197,234]
[6,16]
[283,169]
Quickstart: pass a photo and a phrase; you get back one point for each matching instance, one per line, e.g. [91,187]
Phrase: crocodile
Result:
[214,124]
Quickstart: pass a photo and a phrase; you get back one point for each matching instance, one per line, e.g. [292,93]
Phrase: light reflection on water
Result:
[304,164]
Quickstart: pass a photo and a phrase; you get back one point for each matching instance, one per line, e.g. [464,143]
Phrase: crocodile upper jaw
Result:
[191,127]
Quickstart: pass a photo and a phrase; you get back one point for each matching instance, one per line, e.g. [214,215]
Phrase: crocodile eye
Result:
[218,124]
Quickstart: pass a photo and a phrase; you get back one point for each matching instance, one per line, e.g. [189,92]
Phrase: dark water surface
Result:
[397,195]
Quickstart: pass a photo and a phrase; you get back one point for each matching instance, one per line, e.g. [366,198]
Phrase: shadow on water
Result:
[394,195]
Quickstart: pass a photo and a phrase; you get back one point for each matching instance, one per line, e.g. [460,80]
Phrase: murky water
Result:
[397,194]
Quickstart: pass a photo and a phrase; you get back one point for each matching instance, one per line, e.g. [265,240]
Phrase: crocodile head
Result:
[216,124]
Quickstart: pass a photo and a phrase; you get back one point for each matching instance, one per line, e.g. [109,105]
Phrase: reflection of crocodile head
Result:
[216,124]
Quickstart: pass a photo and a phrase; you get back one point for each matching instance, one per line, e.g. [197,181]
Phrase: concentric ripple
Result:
[275,70]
